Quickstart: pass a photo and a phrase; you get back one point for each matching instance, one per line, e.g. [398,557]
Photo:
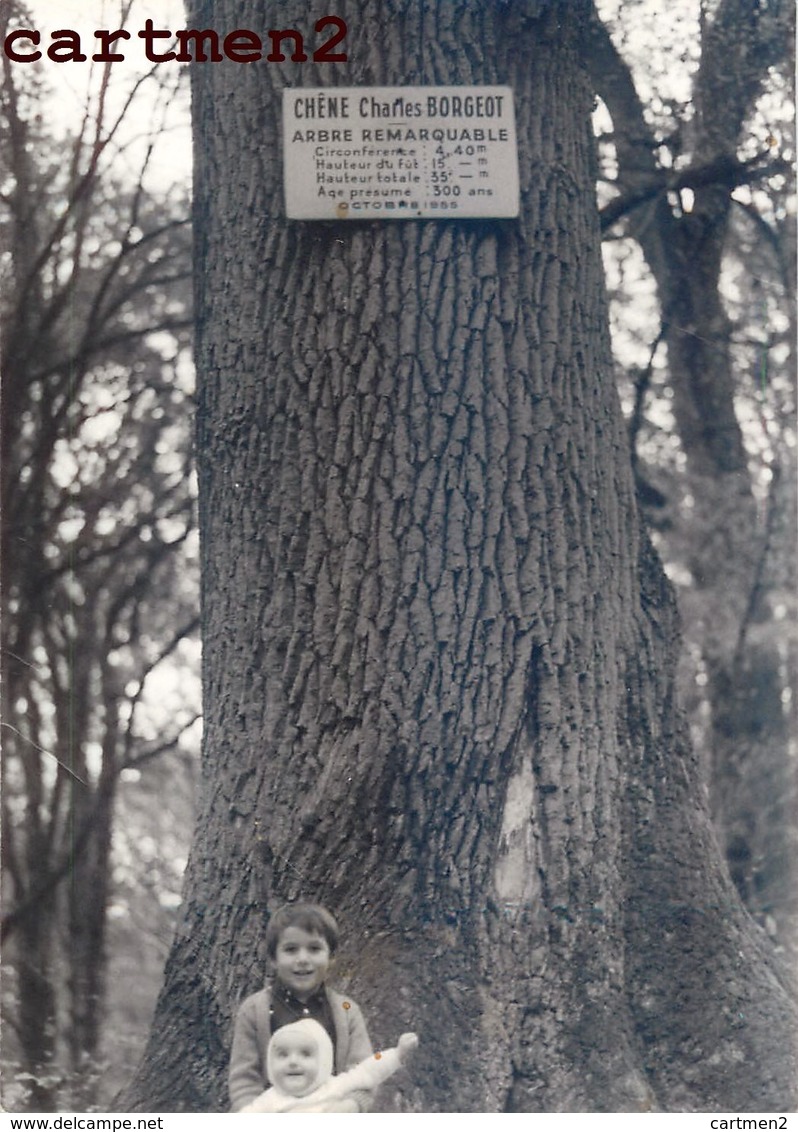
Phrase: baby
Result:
[300,1065]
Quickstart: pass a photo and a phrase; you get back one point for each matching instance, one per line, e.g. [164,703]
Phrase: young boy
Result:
[300,1064]
[301,940]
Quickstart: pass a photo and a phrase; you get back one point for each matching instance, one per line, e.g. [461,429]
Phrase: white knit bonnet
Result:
[313,1030]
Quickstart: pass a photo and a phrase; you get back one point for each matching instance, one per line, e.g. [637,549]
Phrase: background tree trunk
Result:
[93,302]
[731,547]
[438,653]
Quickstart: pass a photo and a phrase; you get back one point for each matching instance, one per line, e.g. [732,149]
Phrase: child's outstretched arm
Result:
[405,1046]
[338,1092]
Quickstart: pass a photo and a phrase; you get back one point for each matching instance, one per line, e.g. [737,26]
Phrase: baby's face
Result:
[294,1063]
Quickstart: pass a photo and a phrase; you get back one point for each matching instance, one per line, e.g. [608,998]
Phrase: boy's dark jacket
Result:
[248,1077]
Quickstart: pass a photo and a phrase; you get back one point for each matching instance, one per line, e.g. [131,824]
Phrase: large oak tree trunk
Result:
[438,654]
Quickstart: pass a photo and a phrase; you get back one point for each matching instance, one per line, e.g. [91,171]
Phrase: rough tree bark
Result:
[439,653]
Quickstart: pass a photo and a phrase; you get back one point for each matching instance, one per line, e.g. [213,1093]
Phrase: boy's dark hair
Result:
[311,918]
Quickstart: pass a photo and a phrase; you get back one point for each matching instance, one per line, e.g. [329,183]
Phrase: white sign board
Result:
[399,153]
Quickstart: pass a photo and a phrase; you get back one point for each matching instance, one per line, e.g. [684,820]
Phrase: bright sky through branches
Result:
[157,108]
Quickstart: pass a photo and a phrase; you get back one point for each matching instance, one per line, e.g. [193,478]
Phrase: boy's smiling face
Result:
[301,960]
[294,1063]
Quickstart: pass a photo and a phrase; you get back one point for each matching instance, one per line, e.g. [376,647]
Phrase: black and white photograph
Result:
[399,571]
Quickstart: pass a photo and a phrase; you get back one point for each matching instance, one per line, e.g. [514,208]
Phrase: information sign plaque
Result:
[399,153]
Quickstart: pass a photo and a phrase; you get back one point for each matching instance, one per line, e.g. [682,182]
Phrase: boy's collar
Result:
[288,996]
